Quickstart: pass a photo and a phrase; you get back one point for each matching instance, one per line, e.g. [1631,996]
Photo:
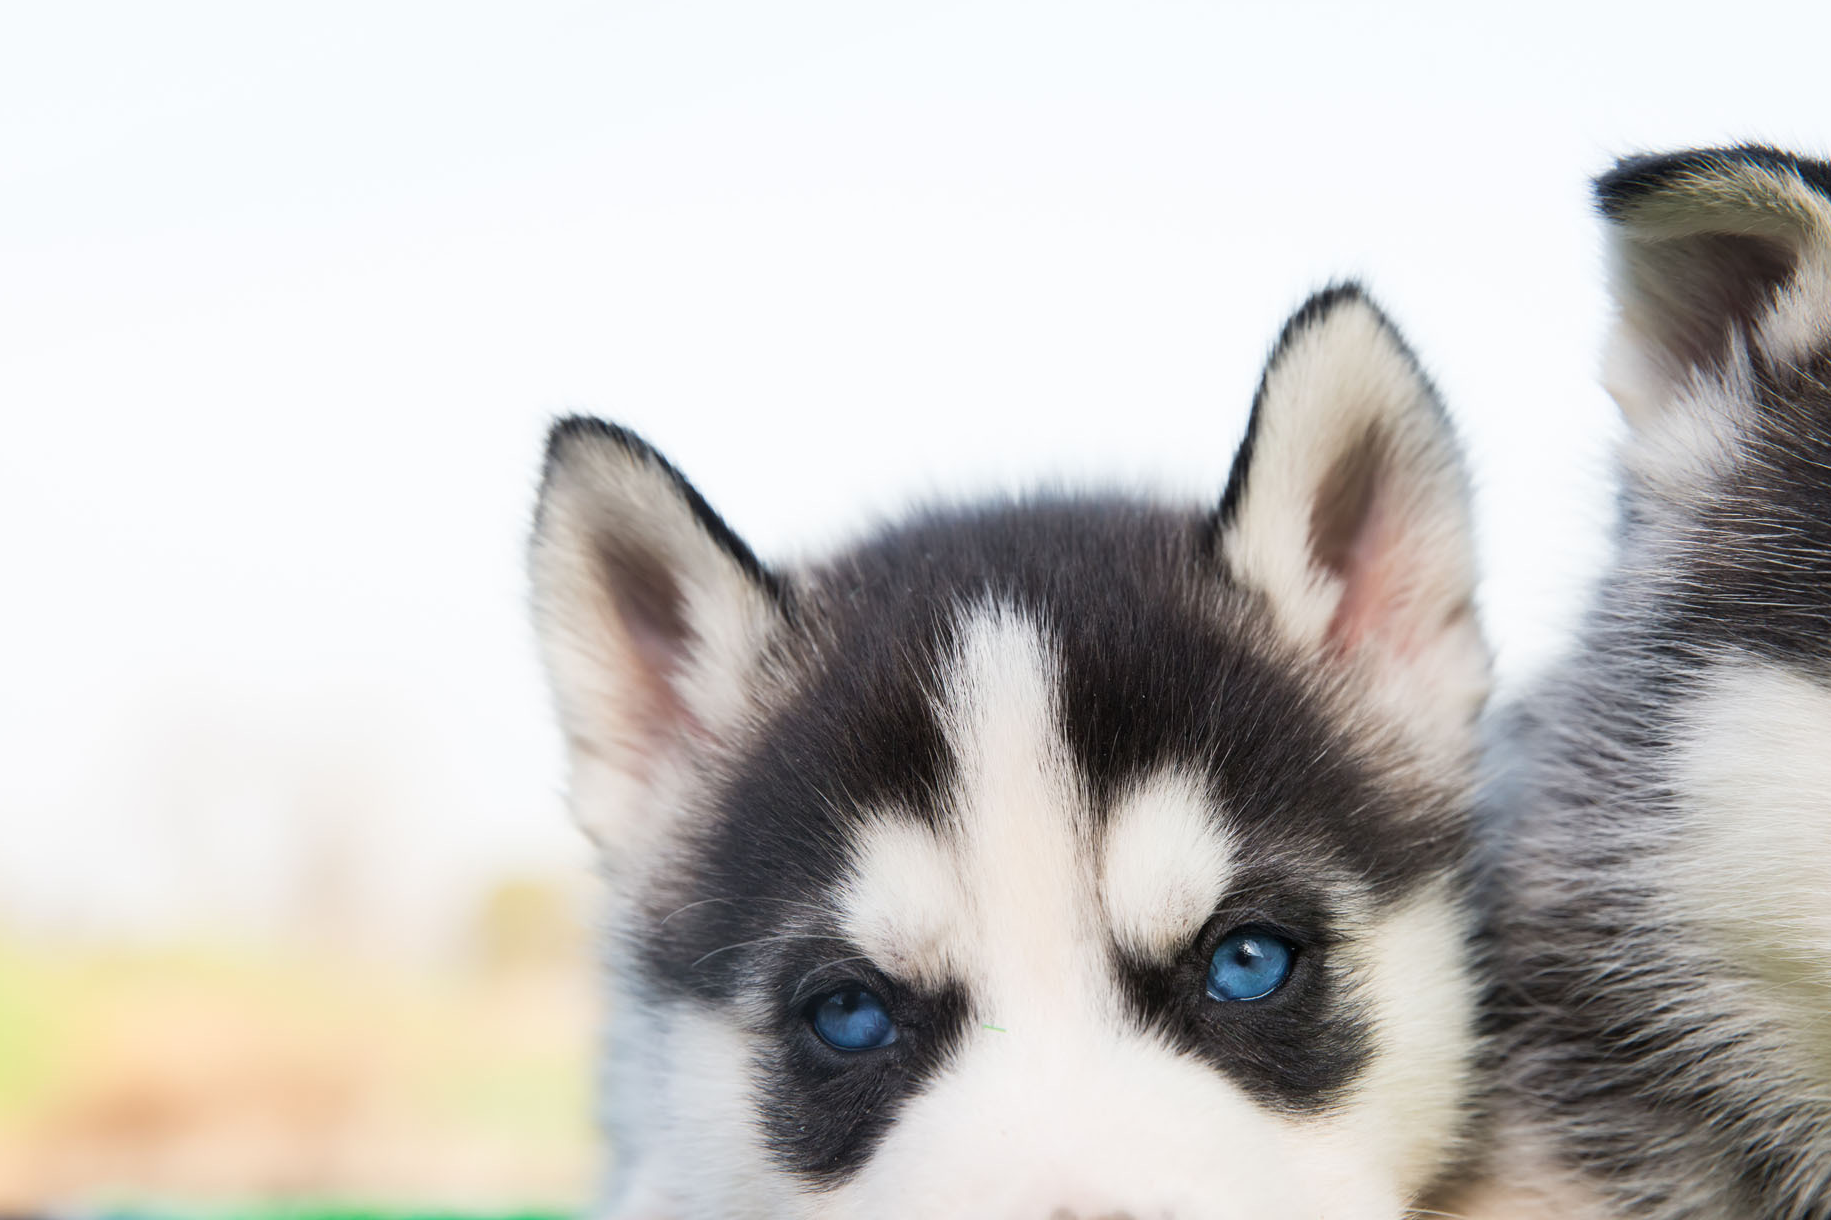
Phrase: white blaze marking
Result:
[1001,896]
[1022,822]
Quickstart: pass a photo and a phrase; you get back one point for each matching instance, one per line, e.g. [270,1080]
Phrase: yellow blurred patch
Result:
[203,1075]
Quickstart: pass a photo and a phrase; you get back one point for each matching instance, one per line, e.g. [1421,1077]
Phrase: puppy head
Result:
[1071,856]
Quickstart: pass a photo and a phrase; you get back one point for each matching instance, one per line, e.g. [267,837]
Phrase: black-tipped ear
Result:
[1348,509]
[1717,254]
[653,619]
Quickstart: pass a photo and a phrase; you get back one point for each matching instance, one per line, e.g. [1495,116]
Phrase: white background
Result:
[289,292]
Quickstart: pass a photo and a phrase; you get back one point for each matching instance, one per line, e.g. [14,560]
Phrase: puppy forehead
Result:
[1137,650]
[1024,856]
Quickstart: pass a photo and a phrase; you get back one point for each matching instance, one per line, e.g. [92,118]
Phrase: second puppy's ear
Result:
[1716,254]
[1348,509]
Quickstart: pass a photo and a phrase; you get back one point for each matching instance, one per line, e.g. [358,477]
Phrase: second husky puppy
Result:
[1664,928]
[1067,857]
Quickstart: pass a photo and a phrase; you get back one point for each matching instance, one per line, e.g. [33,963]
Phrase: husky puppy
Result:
[1663,926]
[1057,857]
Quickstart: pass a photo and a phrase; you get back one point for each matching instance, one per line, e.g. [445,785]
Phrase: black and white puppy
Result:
[1664,918]
[1061,856]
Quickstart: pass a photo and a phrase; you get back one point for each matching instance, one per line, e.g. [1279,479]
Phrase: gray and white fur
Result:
[1662,916]
[1014,769]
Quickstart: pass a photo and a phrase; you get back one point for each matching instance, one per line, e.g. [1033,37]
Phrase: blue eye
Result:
[852,1019]
[1249,965]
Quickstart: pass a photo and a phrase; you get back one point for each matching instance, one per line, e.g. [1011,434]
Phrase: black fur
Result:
[1634,178]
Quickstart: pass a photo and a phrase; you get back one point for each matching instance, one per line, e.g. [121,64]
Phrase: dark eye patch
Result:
[1298,1048]
[826,1109]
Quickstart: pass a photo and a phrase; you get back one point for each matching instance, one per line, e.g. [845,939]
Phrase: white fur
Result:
[1165,865]
[1535,1188]
[1692,436]
[1065,1114]
[1753,770]
[1423,1000]
[705,1124]
[1030,898]
[904,903]
[1799,324]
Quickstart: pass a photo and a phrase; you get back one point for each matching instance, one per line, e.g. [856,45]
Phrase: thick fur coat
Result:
[1662,903]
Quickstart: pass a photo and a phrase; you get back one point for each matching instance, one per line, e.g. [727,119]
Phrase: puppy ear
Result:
[654,622]
[1717,255]
[1348,509]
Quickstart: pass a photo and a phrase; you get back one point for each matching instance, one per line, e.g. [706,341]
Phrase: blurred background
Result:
[289,906]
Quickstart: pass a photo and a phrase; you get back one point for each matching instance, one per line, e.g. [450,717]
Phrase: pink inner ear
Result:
[664,714]
[1377,585]
[652,614]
